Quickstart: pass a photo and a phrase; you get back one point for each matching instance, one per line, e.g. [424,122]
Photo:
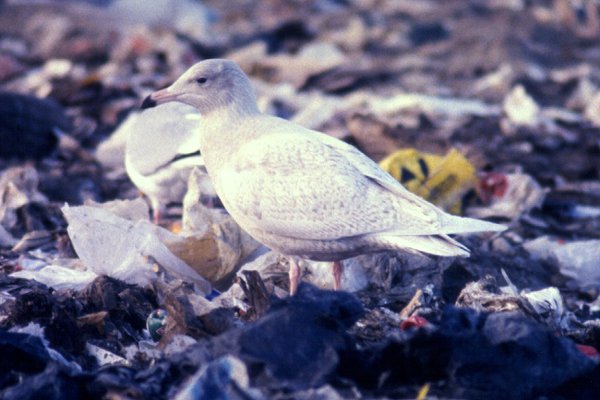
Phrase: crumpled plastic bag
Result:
[210,241]
[443,180]
[214,253]
[507,195]
[58,277]
[578,260]
[129,250]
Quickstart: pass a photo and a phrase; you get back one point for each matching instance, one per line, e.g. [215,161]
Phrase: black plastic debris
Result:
[29,126]
[303,343]
[472,355]
[108,312]
[54,383]
[287,37]
[421,34]
[22,355]
[36,303]
[223,379]
[128,305]
[295,346]
[298,341]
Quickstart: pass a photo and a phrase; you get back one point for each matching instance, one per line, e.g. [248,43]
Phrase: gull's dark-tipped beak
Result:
[159,97]
[149,102]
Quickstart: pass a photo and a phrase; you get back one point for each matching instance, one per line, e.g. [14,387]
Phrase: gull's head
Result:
[208,86]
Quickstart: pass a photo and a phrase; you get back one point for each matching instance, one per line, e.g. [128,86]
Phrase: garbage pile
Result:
[122,275]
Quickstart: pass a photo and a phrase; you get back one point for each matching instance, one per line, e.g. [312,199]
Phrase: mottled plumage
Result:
[301,192]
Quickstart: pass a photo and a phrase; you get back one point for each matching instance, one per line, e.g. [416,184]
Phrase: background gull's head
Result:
[208,86]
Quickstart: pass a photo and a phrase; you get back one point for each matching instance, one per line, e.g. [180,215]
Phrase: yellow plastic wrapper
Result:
[442,180]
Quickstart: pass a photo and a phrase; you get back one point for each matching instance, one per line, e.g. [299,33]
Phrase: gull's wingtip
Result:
[494,227]
[452,224]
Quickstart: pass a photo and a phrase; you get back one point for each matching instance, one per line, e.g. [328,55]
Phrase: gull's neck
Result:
[233,113]
[221,130]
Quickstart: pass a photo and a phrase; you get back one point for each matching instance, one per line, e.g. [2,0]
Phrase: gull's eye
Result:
[201,80]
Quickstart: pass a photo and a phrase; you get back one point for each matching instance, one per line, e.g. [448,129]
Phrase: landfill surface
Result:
[110,289]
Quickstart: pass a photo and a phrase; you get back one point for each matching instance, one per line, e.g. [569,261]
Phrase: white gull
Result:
[299,191]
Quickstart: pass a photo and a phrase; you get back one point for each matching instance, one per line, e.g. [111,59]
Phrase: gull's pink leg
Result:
[294,274]
[156,215]
[158,210]
[337,274]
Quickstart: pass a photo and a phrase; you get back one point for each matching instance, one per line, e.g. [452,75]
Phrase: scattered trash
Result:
[413,322]
[58,277]
[104,357]
[130,250]
[507,195]
[570,210]
[30,126]
[18,188]
[465,340]
[443,180]
[156,322]
[225,377]
[6,239]
[588,351]
[210,241]
[25,354]
[577,259]
[311,60]
[452,107]
[354,274]
[591,110]
[492,186]
[520,108]
[545,305]
[99,302]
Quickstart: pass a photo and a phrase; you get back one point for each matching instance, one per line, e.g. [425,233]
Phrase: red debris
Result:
[490,185]
[589,351]
[414,321]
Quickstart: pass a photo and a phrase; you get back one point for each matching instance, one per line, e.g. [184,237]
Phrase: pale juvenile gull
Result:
[301,192]
[161,150]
